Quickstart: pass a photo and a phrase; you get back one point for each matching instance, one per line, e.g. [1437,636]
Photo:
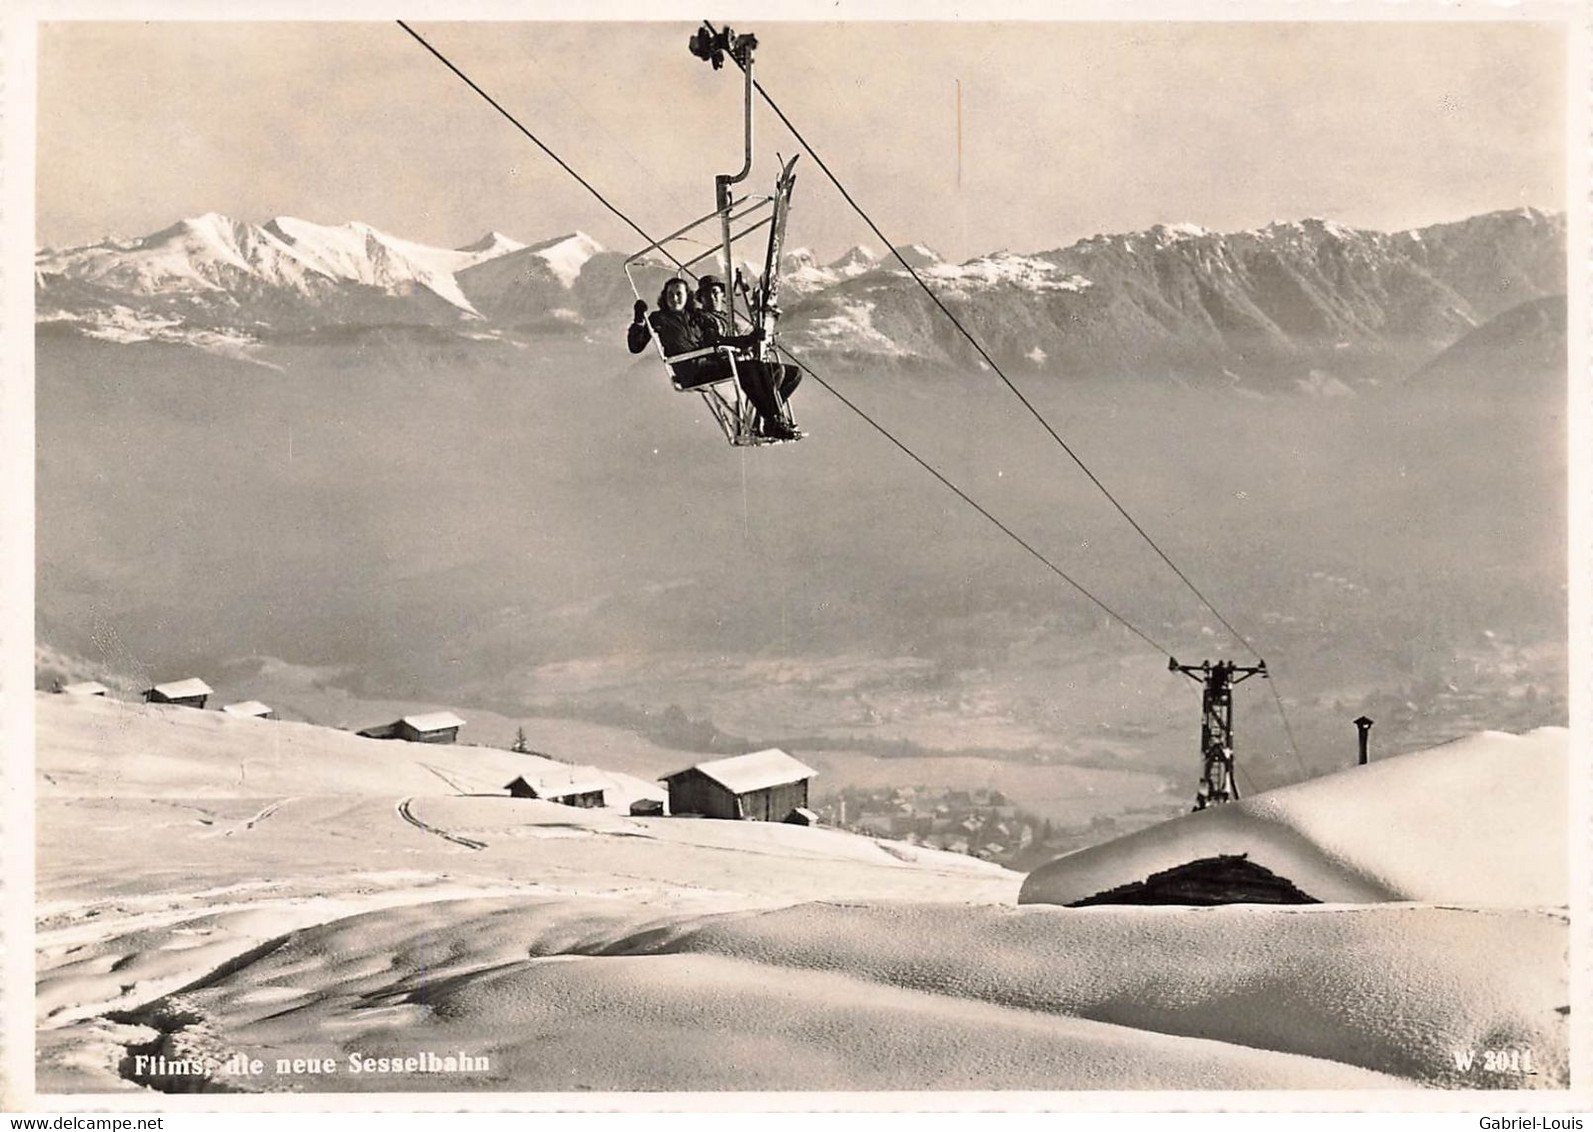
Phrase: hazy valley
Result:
[525,525]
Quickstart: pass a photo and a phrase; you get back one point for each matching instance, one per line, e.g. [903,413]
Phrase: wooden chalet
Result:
[426,727]
[763,786]
[192,693]
[251,709]
[585,794]
[84,688]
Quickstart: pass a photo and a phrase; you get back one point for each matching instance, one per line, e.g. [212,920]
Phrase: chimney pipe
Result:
[1364,726]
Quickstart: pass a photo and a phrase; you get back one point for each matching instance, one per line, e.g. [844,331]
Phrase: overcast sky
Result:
[1067,129]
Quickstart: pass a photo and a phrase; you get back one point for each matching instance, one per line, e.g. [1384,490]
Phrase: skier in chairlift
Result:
[681,329]
[713,301]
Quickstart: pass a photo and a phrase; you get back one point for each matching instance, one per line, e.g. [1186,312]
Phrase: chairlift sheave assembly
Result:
[753,305]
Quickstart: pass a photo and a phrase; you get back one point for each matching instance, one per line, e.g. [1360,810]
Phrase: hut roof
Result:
[757,771]
[85,688]
[247,707]
[561,786]
[433,720]
[182,689]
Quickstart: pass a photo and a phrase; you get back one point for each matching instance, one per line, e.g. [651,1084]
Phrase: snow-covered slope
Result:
[1481,821]
[286,891]
[264,827]
[178,752]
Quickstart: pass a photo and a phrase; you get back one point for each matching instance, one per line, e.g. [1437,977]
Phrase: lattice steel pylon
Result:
[1217,782]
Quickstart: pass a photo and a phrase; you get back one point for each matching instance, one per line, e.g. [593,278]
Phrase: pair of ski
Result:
[764,302]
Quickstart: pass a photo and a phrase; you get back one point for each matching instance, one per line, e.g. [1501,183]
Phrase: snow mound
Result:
[1480,821]
[560,994]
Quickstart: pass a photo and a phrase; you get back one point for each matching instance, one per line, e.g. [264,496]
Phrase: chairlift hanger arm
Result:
[711,45]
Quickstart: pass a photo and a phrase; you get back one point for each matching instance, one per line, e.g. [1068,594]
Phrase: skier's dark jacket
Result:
[681,332]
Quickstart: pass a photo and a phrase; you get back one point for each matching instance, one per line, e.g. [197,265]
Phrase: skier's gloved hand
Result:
[641,311]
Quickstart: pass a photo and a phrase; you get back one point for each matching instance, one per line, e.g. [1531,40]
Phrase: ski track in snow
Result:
[405,812]
[259,816]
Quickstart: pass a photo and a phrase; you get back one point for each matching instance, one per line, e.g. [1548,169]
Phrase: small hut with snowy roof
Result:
[251,708]
[192,693]
[763,786]
[425,727]
[584,793]
[84,688]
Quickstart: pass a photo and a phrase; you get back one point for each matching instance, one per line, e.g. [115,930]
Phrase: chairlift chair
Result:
[757,307]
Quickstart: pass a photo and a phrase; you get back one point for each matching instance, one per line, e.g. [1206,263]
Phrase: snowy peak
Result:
[359,253]
[856,260]
[1028,273]
[1278,303]
[213,253]
[566,255]
[1315,225]
[210,232]
[544,285]
[1164,235]
[492,244]
[1273,305]
[914,255]
[201,253]
[801,271]
[798,259]
[802,274]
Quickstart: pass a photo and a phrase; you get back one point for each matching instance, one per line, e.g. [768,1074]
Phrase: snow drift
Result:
[1480,821]
[562,996]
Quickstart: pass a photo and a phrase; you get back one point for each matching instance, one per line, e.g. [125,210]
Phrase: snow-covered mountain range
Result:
[1295,297]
